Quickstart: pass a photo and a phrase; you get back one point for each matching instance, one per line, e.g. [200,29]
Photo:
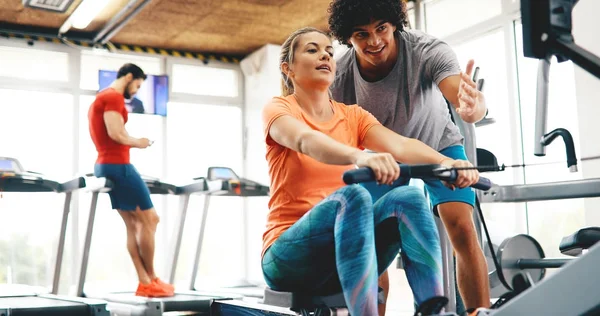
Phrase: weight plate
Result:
[519,247]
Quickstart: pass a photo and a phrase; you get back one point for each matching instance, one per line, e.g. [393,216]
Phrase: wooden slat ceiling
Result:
[230,27]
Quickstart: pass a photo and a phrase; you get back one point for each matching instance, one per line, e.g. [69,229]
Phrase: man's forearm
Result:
[413,151]
[125,139]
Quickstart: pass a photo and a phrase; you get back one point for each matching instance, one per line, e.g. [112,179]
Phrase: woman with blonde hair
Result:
[323,236]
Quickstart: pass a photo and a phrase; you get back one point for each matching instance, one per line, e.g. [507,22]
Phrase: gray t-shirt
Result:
[408,100]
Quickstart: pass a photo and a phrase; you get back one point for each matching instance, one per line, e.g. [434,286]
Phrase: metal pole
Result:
[86,245]
[447,267]
[199,246]
[183,205]
[61,242]
[541,263]
[541,106]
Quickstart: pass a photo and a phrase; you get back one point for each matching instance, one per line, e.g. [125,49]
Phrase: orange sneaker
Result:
[480,312]
[152,290]
[167,286]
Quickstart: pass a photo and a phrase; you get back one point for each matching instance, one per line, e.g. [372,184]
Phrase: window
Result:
[201,136]
[489,53]
[35,123]
[442,16]
[339,49]
[412,22]
[30,63]
[109,231]
[549,221]
[93,61]
[37,130]
[205,80]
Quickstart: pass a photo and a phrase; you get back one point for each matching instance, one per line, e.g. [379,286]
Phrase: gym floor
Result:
[400,300]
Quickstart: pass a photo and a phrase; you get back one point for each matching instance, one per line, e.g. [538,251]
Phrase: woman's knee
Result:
[410,201]
[408,196]
[357,196]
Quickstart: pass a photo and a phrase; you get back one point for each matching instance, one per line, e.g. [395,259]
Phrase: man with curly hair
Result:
[403,77]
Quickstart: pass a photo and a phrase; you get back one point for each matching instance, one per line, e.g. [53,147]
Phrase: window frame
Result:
[179,97]
[38,85]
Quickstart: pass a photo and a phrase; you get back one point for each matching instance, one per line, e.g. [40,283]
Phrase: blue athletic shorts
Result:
[438,193]
[129,190]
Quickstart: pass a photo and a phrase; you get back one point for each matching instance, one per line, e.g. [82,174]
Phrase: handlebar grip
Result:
[365,174]
[483,184]
[358,175]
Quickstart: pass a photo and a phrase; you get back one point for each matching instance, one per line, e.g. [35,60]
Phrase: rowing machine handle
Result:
[365,174]
[483,184]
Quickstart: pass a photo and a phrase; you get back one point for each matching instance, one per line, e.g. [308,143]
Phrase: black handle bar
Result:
[365,174]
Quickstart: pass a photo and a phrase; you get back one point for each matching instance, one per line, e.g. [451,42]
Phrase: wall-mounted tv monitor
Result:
[151,98]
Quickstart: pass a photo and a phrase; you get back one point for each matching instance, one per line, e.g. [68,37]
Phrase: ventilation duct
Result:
[60,6]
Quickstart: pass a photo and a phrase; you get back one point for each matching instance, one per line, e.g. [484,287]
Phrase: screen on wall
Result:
[151,98]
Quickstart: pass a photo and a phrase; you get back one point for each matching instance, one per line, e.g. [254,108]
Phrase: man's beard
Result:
[126,93]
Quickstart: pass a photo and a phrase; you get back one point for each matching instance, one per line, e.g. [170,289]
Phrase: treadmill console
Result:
[221,173]
[234,185]
[10,165]
[14,178]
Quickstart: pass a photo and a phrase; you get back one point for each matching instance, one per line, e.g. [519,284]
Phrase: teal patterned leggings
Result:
[345,242]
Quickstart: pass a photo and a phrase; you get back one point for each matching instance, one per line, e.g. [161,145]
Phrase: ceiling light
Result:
[86,12]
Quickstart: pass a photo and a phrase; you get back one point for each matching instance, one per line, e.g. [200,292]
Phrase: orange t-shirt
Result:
[299,182]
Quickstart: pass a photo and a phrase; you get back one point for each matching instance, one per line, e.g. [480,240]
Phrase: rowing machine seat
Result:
[307,303]
[575,243]
[300,302]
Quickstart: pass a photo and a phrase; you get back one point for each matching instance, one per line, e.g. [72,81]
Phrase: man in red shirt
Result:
[130,195]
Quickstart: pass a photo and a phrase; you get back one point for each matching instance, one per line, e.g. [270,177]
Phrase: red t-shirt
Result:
[109,151]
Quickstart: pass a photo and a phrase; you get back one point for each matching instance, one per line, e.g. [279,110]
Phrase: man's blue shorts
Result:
[129,191]
[438,193]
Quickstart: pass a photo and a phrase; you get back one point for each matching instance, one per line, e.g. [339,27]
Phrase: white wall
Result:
[262,82]
[585,26]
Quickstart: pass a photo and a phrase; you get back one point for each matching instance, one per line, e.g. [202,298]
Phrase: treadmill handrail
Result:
[216,185]
[95,184]
[149,178]
[196,187]
[72,185]
[172,189]
[211,187]
[33,172]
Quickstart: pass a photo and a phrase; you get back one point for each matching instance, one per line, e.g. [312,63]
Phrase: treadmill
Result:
[127,303]
[232,185]
[28,300]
